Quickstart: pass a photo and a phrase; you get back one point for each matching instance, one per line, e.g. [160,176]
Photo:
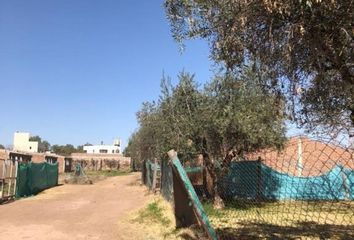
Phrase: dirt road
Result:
[75,211]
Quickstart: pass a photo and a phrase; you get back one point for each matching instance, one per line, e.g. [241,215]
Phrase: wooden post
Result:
[15,183]
[259,194]
[3,179]
[154,176]
[143,172]
[299,164]
[188,208]
[10,179]
[346,189]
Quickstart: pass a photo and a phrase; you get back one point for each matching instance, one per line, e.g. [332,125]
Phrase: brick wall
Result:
[41,157]
[316,157]
[101,161]
[118,157]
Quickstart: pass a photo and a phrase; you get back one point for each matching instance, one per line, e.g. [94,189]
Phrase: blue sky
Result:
[77,71]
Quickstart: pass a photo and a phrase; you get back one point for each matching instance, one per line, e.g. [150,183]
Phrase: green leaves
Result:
[64,150]
[245,118]
[230,113]
[295,42]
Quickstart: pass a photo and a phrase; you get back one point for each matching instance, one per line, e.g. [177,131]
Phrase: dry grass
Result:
[91,177]
[156,221]
[108,173]
[284,220]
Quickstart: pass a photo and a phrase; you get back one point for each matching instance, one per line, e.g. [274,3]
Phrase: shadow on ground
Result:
[310,230]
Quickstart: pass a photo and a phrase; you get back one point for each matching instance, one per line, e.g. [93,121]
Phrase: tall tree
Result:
[231,116]
[239,117]
[2,146]
[305,46]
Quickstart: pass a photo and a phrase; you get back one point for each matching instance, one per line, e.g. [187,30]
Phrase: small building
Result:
[28,157]
[104,149]
[22,143]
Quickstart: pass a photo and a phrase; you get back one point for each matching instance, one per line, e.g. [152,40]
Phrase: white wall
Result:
[96,149]
[22,143]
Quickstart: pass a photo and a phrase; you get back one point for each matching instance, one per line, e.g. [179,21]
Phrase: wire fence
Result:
[304,191]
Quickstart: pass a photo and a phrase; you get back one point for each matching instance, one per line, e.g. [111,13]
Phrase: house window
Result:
[51,160]
[103,151]
[112,151]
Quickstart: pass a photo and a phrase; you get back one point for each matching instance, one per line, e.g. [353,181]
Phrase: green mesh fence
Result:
[33,178]
[303,191]
[166,181]
[194,173]
[148,172]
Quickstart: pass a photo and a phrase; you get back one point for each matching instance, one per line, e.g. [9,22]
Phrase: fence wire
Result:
[304,191]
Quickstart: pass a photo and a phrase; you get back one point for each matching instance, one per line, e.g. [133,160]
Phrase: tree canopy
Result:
[305,47]
[228,117]
[229,114]
[65,150]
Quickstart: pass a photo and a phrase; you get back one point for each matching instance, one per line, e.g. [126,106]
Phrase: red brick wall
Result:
[61,163]
[38,157]
[317,157]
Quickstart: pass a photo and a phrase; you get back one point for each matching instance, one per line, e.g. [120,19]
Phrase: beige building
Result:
[22,143]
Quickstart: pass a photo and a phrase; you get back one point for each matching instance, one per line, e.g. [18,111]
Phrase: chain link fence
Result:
[303,191]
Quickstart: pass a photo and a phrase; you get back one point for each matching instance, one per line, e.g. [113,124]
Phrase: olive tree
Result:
[232,115]
[305,47]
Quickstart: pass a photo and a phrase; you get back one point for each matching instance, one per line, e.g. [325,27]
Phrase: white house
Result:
[22,143]
[104,149]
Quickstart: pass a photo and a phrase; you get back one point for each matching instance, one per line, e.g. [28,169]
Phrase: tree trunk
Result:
[218,202]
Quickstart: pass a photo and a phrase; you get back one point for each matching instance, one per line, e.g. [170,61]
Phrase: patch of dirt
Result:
[97,211]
